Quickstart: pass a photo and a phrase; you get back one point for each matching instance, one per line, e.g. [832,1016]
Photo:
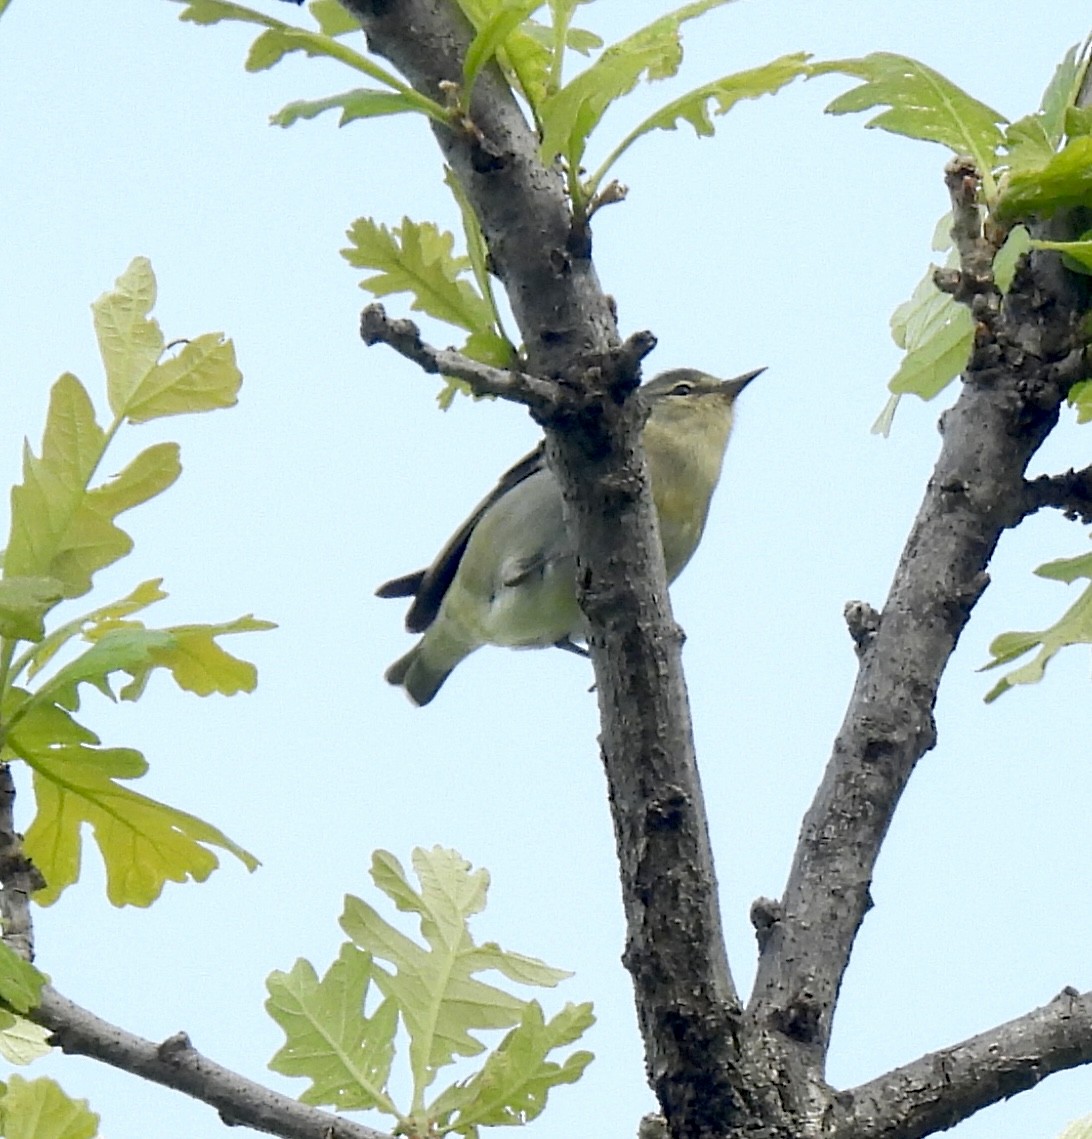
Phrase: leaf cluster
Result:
[63,531]
[531,54]
[432,990]
[1030,168]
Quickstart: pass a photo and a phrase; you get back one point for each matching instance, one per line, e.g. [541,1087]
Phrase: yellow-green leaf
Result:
[129,341]
[1063,180]
[694,106]
[144,844]
[24,602]
[54,531]
[510,1089]
[937,334]
[190,652]
[346,1055]
[145,594]
[59,527]
[20,983]
[332,18]
[361,103]
[654,52]
[416,258]
[921,103]
[1080,397]
[23,1041]
[202,377]
[1072,628]
[39,1109]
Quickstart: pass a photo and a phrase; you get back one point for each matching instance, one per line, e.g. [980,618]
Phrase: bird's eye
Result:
[682,389]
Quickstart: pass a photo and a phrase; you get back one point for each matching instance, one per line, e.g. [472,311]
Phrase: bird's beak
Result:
[732,388]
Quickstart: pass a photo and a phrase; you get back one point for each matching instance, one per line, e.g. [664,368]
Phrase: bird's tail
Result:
[417,675]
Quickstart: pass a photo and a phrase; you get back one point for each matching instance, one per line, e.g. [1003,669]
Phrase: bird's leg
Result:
[570,646]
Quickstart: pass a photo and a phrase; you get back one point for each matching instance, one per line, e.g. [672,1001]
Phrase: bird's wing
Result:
[428,587]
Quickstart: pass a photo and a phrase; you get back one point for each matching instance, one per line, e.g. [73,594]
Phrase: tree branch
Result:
[1070,493]
[687,1005]
[1009,402]
[176,1064]
[19,877]
[944,1088]
[405,338]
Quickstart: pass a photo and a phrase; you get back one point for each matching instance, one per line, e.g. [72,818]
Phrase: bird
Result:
[507,576]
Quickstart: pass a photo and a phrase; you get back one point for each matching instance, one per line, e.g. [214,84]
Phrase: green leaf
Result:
[202,377]
[1078,1129]
[1005,260]
[333,20]
[1080,397]
[1074,627]
[145,594]
[144,844]
[213,11]
[492,35]
[60,528]
[277,42]
[440,1002]
[1078,121]
[937,334]
[23,1041]
[39,1109]
[693,107]
[24,602]
[1032,140]
[570,115]
[521,54]
[346,1055]
[921,104]
[280,39]
[511,1087]
[361,103]
[190,652]
[1064,180]
[1061,93]
[20,983]
[1078,251]
[416,258]
[129,341]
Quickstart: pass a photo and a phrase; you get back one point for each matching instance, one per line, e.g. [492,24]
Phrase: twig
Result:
[176,1064]
[405,338]
[943,1088]
[1071,493]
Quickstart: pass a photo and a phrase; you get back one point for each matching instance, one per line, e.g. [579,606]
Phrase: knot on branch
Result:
[766,913]
[174,1048]
[863,622]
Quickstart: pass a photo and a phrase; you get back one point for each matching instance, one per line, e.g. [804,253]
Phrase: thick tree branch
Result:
[687,1005]
[176,1064]
[1012,389]
[945,1087]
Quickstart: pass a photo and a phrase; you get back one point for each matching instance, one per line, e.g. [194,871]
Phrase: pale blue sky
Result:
[785,241]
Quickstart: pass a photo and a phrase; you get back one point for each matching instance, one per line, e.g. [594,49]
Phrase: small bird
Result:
[507,575]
